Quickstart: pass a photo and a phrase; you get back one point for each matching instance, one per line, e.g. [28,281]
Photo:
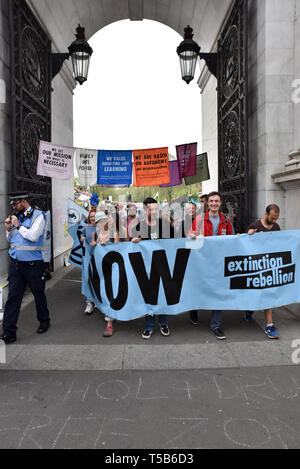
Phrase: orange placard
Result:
[151,167]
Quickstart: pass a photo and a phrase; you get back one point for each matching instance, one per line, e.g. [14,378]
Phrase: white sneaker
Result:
[89,308]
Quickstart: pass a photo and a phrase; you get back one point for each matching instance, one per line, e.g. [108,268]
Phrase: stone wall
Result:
[62,133]
[51,17]
[271,123]
[5,137]
[210,132]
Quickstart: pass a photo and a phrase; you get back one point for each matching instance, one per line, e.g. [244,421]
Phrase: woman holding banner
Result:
[87,235]
[107,233]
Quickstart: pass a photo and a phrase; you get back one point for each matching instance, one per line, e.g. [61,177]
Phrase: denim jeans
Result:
[216,318]
[151,321]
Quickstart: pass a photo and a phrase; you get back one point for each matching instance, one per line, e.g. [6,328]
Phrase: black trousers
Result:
[21,274]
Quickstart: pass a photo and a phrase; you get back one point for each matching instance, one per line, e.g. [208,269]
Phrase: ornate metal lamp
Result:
[188,52]
[80,52]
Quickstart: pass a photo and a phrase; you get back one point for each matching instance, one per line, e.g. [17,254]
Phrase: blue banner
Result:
[128,281]
[114,167]
[78,250]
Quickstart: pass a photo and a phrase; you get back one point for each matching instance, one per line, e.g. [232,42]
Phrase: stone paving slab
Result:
[175,357]
[253,354]
[149,357]
[12,352]
[67,357]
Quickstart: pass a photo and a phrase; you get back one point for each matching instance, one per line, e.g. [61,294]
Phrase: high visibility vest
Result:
[22,249]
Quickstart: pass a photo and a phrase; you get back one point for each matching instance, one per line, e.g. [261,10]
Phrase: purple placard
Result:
[175,179]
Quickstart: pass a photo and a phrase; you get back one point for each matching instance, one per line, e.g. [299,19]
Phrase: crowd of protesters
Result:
[150,221]
[110,223]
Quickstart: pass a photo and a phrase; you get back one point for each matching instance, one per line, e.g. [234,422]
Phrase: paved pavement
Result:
[72,388]
[246,408]
[75,341]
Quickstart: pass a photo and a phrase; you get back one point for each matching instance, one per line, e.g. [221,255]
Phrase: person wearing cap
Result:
[24,232]
[106,234]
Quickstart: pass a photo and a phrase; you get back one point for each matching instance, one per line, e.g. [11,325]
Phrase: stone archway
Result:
[60,17]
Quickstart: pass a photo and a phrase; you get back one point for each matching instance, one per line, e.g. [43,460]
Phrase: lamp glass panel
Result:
[188,62]
[81,61]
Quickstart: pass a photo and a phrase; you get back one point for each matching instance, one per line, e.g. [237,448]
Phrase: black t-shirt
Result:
[257,225]
[161,230]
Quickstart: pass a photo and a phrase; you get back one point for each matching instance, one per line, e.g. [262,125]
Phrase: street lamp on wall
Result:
[189,51]
[80,52]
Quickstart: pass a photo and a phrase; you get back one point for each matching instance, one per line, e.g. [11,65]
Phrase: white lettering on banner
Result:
[2,352]
[260,271]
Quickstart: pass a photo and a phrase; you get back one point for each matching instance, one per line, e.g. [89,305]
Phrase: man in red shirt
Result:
[266,224]
[212,223]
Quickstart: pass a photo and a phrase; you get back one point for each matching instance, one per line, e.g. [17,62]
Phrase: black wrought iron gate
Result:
[30,101]
[233,115]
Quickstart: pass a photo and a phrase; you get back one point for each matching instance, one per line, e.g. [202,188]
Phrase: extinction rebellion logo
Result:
[260,271]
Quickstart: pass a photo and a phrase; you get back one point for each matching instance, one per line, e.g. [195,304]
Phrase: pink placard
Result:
[55,161]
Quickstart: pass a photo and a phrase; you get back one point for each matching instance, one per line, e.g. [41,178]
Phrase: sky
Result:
[135,97]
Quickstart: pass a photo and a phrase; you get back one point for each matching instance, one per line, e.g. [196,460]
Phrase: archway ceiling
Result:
[61,17]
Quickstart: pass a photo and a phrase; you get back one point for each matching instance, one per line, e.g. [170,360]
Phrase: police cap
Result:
[17,196]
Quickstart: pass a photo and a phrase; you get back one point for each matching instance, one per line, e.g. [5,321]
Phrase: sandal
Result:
[109,331]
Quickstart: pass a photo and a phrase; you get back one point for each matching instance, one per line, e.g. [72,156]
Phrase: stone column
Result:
[289,181]
[271,68]
[288,178]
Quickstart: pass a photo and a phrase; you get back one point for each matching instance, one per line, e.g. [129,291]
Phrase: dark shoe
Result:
[8,339]
[164,330]
[147,334]
[194,317]
[249,316]
[219,334]
[43,328]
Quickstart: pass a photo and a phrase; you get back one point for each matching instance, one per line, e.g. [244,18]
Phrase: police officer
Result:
[24,232]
